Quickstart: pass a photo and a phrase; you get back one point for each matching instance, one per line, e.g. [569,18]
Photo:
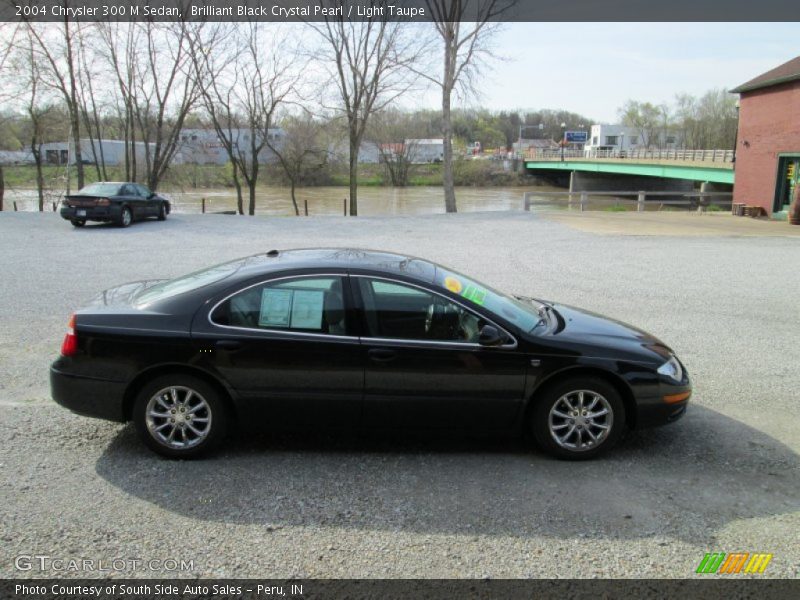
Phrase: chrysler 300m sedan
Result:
[345,339]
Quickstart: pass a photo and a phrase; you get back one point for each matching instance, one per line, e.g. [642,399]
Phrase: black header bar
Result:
[399,10]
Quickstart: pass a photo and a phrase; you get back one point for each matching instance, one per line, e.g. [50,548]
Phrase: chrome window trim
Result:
[280,331]
[509,346]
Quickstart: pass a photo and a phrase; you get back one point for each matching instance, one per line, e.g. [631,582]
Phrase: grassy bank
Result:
[187,177]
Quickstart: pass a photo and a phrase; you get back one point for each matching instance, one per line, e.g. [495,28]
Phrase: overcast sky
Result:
[593,68]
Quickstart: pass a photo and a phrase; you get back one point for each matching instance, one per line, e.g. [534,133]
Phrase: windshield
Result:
[522,313]
[189,282]
[100,189]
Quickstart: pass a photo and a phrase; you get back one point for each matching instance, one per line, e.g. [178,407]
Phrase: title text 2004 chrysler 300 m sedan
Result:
[344,338]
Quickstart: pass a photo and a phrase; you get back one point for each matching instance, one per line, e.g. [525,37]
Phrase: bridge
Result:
[704,166]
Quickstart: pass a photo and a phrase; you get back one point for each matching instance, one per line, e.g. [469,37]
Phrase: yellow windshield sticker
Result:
[453,284]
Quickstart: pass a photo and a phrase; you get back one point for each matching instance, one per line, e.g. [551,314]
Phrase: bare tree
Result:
[394,132]
[167,91]
[121,41]
[30,66]
[243,83]
[88,99]
[58,53]
[645,117]
[369,61]
[302,149]
[464,27]
[7,48]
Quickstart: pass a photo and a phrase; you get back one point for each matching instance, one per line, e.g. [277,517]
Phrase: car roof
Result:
[337,258]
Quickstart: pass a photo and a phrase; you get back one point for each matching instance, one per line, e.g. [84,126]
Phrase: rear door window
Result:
[307,304]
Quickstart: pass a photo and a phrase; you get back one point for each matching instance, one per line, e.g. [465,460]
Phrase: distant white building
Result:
[425,150]
[613,140]
[368,154]
[203,146]
[16,157]
[109,152]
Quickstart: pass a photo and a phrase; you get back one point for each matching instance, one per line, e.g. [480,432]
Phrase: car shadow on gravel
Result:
[687,480]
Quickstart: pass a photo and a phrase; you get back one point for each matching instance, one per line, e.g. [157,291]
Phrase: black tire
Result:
[78,222]
[579,445]
[125,217]
[216,413]
[162,211]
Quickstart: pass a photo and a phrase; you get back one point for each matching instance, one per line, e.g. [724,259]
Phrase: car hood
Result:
[122,295]
[585,328]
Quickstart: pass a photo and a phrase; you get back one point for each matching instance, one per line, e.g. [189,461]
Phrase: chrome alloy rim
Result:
[580,420]
[178,417]
[126,217]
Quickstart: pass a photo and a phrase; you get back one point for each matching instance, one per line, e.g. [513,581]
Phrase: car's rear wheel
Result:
[162,211]
[180,416]
[78,222]
[578,418]
[125,217]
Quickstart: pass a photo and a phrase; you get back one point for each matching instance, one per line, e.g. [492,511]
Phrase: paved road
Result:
[725,478]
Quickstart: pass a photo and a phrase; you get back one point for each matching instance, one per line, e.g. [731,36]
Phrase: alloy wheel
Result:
[178,417]
[580,420]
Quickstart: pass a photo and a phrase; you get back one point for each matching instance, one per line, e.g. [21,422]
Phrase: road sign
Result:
[576,137]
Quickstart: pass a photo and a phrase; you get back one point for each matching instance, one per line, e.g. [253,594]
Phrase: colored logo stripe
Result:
[758,563]
[711,562]
[719,562]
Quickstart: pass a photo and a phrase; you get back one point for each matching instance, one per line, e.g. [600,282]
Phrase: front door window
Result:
[397,311]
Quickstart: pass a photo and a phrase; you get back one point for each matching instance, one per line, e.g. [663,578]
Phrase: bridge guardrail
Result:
[713,155]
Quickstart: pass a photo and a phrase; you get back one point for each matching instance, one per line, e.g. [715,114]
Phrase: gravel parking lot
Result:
[723,479]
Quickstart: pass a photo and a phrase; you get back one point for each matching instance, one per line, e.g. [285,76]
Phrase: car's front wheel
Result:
[180,416]
[162,211]
[578,418]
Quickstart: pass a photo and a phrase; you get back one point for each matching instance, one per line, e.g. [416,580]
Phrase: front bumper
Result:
[669,406]
[88,396]
[94,213]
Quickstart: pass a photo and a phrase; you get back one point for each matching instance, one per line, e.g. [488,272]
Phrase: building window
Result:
[611,140]
[634,140]
[594,141]
[670,139]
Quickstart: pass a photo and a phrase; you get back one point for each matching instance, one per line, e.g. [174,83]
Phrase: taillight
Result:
[102,202]
[70,344]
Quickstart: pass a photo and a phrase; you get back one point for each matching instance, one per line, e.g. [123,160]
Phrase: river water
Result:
[372,201]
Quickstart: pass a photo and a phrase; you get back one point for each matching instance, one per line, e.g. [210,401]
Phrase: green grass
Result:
[615,208]
[186,177]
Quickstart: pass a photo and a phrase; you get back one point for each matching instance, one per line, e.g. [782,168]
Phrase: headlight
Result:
[672,369]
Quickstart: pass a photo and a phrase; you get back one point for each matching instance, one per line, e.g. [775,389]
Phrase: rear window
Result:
[100,189]
[189,282]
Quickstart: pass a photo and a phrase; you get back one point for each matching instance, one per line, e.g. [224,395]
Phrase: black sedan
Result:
[114,202]
[343,339]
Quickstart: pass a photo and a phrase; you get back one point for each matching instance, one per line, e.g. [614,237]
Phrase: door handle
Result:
[229,344]
[381,354]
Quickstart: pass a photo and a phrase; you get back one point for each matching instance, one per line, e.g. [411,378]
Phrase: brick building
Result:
[768,141]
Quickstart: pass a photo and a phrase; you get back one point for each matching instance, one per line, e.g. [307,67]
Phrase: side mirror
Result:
[151,195]
[490,336]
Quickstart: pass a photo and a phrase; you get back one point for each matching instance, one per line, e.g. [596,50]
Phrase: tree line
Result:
[151,78]
[701,122]
[145,82]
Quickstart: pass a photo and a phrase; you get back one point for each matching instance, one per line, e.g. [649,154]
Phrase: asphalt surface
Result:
[723,479]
